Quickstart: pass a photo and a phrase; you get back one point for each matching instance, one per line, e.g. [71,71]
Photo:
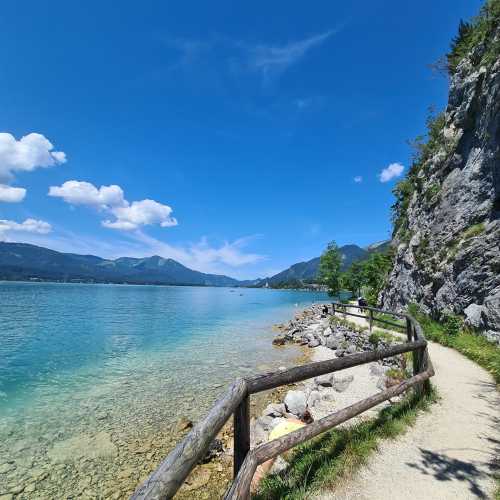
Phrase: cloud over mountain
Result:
[28,226]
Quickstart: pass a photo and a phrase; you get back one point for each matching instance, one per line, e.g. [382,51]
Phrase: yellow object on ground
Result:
[285,427]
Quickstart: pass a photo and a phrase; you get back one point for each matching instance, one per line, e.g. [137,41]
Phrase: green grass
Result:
[389,317]
[377,335]
[474,347]
[335,320]
[457,243]
[321,462]
[473,231]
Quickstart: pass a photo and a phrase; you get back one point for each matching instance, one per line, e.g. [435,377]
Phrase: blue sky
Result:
[246,126]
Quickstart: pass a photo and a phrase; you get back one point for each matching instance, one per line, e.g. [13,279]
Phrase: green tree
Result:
[329,269]
[375,270]
[354,278]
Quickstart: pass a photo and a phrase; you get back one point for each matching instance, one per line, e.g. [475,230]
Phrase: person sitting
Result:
[362,303]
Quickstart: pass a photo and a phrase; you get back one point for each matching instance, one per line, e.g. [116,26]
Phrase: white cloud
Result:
[85,193]
[271,60]
[128,216]
[391,172]
[358,179]
[230,254]
[28,226]
[30,152]
[202,256]
[10,194]
[141,213]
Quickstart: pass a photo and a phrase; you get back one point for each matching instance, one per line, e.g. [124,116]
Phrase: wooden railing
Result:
[164,482]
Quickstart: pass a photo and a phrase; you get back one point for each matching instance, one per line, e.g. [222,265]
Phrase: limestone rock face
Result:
[448,256]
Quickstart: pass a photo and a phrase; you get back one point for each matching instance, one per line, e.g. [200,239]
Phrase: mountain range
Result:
[23,261]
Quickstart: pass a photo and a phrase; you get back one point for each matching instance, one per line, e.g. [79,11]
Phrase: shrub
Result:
[421,251]
[473,346]
[473,231]
[432,191]
[374,339]
[472,34]
[395,373]
[452,324]
[424,147]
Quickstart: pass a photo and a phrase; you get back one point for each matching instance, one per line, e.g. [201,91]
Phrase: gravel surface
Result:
[451,451]
[363,385]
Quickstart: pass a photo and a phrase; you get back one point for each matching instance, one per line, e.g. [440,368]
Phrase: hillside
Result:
[447,213]
[306,272]
[21,261]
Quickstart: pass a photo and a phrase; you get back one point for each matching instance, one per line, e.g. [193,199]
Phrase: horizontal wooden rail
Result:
[369,308]
[268,381]
[241,486]
[165,481]
[342,309]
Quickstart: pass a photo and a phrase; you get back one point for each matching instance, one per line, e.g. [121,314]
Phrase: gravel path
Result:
[451,451]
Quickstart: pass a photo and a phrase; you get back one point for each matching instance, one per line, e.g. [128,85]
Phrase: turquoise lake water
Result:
[122,360]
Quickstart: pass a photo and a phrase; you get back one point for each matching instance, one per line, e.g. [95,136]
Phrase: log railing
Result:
[164,482]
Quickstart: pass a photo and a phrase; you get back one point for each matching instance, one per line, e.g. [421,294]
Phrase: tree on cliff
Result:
[329,269]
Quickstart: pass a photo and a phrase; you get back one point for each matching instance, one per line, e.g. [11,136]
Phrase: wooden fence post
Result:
[414,353]
[241,434]
[371,320]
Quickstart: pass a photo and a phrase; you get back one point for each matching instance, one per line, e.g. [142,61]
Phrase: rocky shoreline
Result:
[322,337]
[327,337]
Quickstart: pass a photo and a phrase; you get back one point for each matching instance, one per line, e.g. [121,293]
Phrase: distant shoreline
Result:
[83,282]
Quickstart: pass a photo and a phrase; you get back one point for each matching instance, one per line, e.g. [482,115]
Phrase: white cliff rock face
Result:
[448,257]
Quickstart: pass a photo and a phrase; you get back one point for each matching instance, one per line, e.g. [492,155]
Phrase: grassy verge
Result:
[336,320]
[388,317]
[321,462]
[475,347]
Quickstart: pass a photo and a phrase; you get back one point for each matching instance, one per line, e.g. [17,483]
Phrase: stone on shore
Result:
[183,424]
[313,398]
[324,380]
[296,402]
[333,342]
[274,410]
[279,341]
[340,384]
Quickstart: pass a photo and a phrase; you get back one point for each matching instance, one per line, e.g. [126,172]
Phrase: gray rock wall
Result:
[449,259]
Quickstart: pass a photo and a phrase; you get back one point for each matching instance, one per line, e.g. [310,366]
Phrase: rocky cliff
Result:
[447,213]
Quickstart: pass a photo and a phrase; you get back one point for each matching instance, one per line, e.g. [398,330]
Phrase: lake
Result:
[89,372]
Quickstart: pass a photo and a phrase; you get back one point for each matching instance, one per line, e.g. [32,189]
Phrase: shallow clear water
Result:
[125,361]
